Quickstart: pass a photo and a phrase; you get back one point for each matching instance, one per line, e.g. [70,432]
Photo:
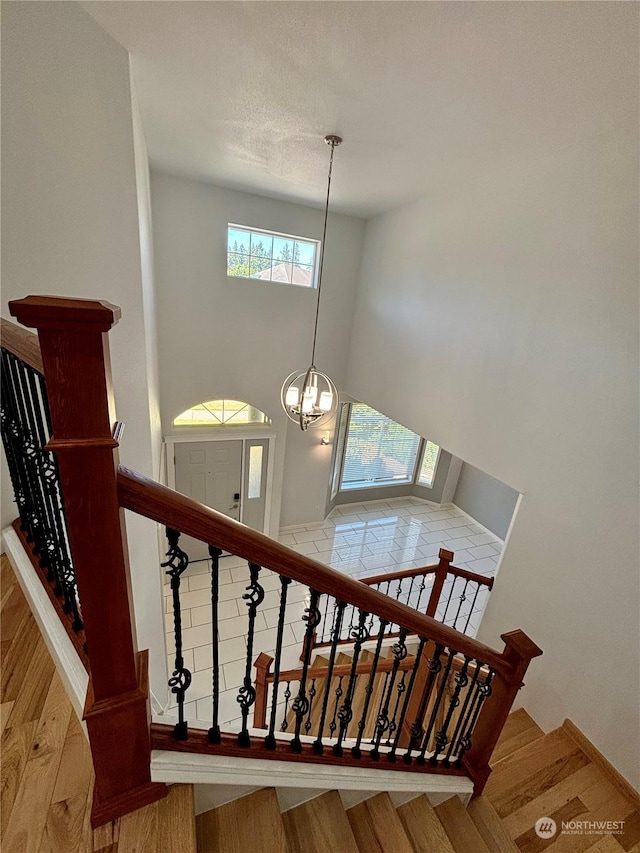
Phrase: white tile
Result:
[194,599]
[286,539]
[234,673]
[482,551]
[198,636]
[436,536]
[306,548]
[459,544]
[265,641]
[202,581]
[484,566]
[309,536]
[238,627]
[437,525]
[232,649]
[484,539]
[232,591]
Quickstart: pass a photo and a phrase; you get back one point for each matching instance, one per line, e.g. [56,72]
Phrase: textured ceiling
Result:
[425,94]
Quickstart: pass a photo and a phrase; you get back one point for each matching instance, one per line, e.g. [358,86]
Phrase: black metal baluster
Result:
[407,698]
[214,731]
[399,651]
[339,691]
[356,751]
[421,589]
[460,725]
[336,630]
[380,704]
[471,609]
[444,680]
[359,633]
[441,740]
[463,598]
[300,704]
[324,621]
[181,678]
[446,609]
[434,665]
[312,693]
[484,691]
[12,441]
[247,693]
[270,739]
[399,589]
[392,722]
[287,696]
[413,580]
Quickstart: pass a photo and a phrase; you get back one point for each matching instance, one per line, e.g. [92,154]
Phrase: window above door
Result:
[221,413]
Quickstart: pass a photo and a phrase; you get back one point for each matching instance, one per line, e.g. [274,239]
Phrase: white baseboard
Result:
[70,668]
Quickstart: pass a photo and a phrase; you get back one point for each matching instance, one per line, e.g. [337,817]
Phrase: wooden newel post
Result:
[519,651]
[263,667]
[75,354]
[442,569]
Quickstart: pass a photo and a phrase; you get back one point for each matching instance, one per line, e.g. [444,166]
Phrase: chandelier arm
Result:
[332,142]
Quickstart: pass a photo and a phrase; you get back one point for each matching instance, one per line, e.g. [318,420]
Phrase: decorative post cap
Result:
[55,312]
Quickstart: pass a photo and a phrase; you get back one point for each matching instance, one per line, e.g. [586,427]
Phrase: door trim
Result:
[228,435]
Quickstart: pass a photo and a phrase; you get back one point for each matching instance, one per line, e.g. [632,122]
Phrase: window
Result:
[372,451]
[430,456]
[283,258]
[219,412]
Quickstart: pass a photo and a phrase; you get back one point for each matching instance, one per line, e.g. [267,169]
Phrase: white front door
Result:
[209,472]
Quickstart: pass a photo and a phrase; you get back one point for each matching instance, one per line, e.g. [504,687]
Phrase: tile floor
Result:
[358,539]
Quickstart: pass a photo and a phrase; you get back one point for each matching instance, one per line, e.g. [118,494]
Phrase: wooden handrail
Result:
[23,344]
[166,506]
[383,665]
[425,570]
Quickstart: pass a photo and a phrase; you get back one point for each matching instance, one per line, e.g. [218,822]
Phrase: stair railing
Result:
[454,724]
[447,593]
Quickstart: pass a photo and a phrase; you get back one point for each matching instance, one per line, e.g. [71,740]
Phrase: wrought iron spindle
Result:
[461,680]
[181,677]
[324,621]
[421,589]
[270,739]
[459,729]
[247,693]
[405,706]
[339,692]
[287,696]
[336,630]
[214,731]
[381,704]
[393,725]
[444,680]
[356,751]
[312,693]
[483,693]
[413,580]
[471,609]
[446,608]
[434,665]
[399,651]
[463,598]
[300,704]
[359,633]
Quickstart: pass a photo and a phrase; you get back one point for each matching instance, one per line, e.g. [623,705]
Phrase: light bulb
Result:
[292,396]
[326,401]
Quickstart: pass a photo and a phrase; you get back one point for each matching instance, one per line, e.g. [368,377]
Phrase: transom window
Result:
[267,255]
[373,451]
[219,412]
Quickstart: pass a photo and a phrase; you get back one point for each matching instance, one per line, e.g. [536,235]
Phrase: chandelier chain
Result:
[332,141]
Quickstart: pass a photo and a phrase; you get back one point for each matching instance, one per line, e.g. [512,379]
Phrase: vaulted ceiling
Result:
[425,94]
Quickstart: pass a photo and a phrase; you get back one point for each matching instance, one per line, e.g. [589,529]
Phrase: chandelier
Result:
[308,396]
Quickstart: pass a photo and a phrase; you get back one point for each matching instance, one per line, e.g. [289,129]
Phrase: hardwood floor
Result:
[46,778]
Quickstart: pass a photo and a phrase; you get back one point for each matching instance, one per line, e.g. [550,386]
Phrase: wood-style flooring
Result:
[46,777]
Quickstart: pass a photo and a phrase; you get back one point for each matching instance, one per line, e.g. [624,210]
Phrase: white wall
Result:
[230,337]
[71,195]
[501,320]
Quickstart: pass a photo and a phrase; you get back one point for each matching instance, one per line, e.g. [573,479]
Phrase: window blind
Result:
[341,435]
[379,451]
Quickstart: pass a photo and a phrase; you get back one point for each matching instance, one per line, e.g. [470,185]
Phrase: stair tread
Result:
[176,821]
[319,826]
[377,827]
[519,730]
[462,832]
[423,826]
[490,827]
[251,823]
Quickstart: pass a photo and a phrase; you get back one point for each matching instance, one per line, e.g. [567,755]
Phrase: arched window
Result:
[221,413]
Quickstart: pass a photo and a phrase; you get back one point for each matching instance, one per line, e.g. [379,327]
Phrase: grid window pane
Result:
[379,451]
[429,464]
[271,257]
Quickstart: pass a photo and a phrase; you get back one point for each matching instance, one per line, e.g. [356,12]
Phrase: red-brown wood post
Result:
[75,354]
[442,570]
[519,651]
[262,665]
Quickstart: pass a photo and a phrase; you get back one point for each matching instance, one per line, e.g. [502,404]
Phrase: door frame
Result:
[229,434]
